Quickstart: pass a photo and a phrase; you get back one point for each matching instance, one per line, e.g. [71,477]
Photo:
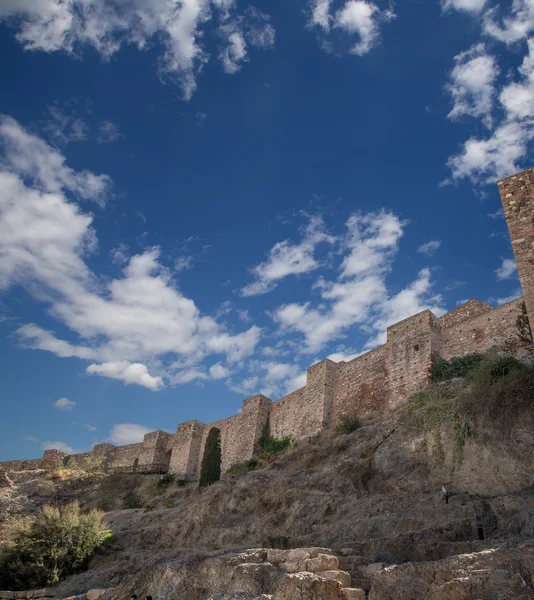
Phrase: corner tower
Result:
[517,196]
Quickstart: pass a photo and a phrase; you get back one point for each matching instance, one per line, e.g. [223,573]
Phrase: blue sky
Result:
[200,199]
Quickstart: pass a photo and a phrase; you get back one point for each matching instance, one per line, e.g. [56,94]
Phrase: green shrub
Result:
[210,469]
[243,467]
[501,395]
[58,543]
[183,480]
[168,503]
[132,500]
[459,366]
[348,424]
[431,408]
[166,480]
[276,446]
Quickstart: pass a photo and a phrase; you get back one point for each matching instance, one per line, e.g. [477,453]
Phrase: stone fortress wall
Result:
[373,382]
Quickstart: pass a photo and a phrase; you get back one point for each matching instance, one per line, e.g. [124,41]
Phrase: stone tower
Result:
[517,195]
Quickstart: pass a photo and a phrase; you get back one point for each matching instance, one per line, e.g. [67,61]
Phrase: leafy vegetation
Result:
[243,467]
[210,469]
[132,500]
[270,446]
[183,480]
[524,331]
[59,542]
[166,480]
[348,424]
[459,366]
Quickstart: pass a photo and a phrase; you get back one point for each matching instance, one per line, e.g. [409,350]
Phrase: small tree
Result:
[522,324]
[59,542]
[210,469]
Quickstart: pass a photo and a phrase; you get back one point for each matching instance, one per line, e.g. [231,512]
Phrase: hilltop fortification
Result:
[371,383]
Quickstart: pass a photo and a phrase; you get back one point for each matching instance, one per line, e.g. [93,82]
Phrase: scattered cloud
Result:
[61,446]
[121,325]
[64,404]
[31,438]
[507,110]
[177,27]
[29,157]
[359,295]
[127,433]
[514,295]
[499,214]
[289,259]
[474,6]
[120,254]
[183,263]
[429,248]
[218,371]
[507,269]
[108,132]
[472,84]
[360,20]
[343,356]
[64,126]
[128,373]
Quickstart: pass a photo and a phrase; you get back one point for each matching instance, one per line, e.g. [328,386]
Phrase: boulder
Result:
[253,578]
[95,594]
[307,586]
[353,593]
[373,568]
[276,556]
[342,576]
[323,562]
[298,554]
[7,595]
[5,481]
[296,566]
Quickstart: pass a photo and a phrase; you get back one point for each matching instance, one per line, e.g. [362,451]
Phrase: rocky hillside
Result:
[372,498]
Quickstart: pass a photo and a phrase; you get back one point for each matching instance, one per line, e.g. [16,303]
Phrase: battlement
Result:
[371,383]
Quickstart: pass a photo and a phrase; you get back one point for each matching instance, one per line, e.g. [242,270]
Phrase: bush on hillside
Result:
[210,469]
[166,480]
[501,395]
[459,366]
[132,500]
[59,542]
[243,467]
[348,424]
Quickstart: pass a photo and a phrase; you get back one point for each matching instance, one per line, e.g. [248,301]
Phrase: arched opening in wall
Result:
[210,468]
[136,465]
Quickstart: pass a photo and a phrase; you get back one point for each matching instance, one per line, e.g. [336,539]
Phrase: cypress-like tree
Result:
[524,330]
[210,469]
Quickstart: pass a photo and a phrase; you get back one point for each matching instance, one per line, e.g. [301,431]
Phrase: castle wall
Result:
[361,385]
[517,196]
[153,455]
[123,457]
[186,448]
[496,327]
[465,312]
[412,346]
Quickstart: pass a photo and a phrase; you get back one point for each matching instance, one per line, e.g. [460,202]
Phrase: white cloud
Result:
[472,84]
[320,13]
[517,293]
[28,156]
[363,19]
[127,433]
[108,132]
[31,438]
[120,254]
[128,373]
[121,325]
[289,259]
[218,371]
[429,248]
[61,446]
[178,27]
[507,269]
[516,25]
[358,20]
[295,383]
[483,159]
[64,126]
[464,5]
[183,263]
[64,404]
[343,356]
[359,295]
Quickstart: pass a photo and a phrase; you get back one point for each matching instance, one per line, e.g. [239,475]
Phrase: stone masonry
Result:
[371,383]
